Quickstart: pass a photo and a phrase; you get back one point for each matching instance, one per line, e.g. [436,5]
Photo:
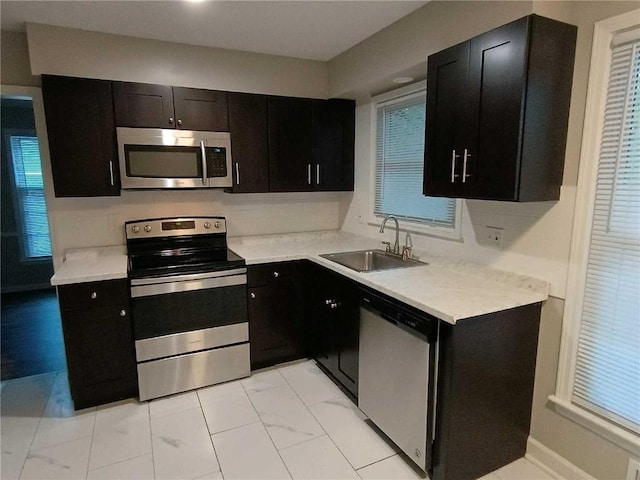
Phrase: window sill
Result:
[614,434]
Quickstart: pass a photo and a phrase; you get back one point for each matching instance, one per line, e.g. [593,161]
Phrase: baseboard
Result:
[552,463]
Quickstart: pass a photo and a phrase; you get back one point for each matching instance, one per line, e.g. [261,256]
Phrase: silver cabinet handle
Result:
[237,174]
[94,295]
[276,274]
[453,165]
[111,172]
[179,122]
[171,120]
[309,173]
[123,313]
[204,162]
[317,174]
[464,165]
[252,295]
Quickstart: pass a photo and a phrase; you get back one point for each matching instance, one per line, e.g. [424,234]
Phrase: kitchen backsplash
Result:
[91,222]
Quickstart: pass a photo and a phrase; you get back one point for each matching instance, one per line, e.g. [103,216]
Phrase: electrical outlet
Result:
[493,236]
[633,471]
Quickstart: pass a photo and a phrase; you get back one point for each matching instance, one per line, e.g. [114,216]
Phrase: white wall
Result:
[79,53]
[90,222]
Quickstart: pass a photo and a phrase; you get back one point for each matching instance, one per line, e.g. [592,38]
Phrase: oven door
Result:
[160,158]
[184,303]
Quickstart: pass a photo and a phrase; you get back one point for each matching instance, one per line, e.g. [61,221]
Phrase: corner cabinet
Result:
[333,142]
[334,313]
[82,136]
[161,106]
[497,113]
[311,144]
[98,339]
[290,163]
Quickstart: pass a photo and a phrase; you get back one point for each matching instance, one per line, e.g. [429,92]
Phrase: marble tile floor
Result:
[286,422]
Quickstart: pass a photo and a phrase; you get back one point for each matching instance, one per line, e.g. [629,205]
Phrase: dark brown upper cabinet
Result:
[333,145]
[497,113]
[290,159]
[160,106]
[82,136]
[249,142]
[311,144]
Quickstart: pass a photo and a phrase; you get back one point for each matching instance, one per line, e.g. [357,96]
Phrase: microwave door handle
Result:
[204,163]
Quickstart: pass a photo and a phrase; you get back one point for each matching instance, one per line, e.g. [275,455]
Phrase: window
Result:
[27,173]
[599,372]
[399,164]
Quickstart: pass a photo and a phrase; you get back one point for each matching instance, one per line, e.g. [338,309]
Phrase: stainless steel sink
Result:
[370,260]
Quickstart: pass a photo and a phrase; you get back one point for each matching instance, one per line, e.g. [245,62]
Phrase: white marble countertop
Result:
[92,265]
[449,290]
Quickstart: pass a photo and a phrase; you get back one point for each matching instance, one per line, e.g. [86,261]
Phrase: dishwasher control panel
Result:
[400,314]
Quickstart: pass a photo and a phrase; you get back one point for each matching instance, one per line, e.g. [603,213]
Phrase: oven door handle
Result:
[186,286]
[186,277]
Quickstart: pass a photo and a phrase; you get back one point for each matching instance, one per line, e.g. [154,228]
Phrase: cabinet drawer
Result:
[271,273]
[93,294]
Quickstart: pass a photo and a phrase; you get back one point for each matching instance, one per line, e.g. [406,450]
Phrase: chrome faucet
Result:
[396,246]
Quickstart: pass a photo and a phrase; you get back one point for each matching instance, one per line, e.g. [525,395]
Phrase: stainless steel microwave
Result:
[163,158]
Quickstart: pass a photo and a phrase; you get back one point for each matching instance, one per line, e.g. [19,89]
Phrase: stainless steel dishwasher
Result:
[396,373]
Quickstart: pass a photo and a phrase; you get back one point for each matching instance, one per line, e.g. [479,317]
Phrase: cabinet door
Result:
[82,136]
[347,334]
[445,121]
[290,161]
[249,142]
[497,82]
[333,144]
[100,354]
[198,109]
[274,324]
[143,105]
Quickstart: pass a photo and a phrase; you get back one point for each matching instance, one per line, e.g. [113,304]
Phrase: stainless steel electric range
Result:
[189,304]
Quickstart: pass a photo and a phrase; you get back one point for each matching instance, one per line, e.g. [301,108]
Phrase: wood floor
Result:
[31,339]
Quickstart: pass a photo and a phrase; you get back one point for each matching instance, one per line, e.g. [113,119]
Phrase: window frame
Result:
[34,94]
[604,31]
[423,228]
[17,195]
[22,229]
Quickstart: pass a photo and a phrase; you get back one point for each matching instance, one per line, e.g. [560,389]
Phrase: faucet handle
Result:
[406,253]
[388,247]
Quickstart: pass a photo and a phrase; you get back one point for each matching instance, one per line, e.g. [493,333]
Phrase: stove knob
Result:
[217,224]
[135,229]
[147,228]
[207,225]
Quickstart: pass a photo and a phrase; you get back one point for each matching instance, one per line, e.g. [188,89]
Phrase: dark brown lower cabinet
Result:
[486,370]
[98,341]
[333,310]
[276,308]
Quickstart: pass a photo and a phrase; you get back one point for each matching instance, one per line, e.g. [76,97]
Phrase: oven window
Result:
[150,161]
[158,315]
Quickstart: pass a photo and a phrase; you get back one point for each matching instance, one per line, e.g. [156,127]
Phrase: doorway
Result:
[30,327]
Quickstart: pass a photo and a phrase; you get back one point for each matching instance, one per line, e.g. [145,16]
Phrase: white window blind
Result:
[400,164]
[27,173]
[607,372]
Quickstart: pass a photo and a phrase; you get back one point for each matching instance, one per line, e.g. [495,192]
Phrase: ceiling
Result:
[317,30]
